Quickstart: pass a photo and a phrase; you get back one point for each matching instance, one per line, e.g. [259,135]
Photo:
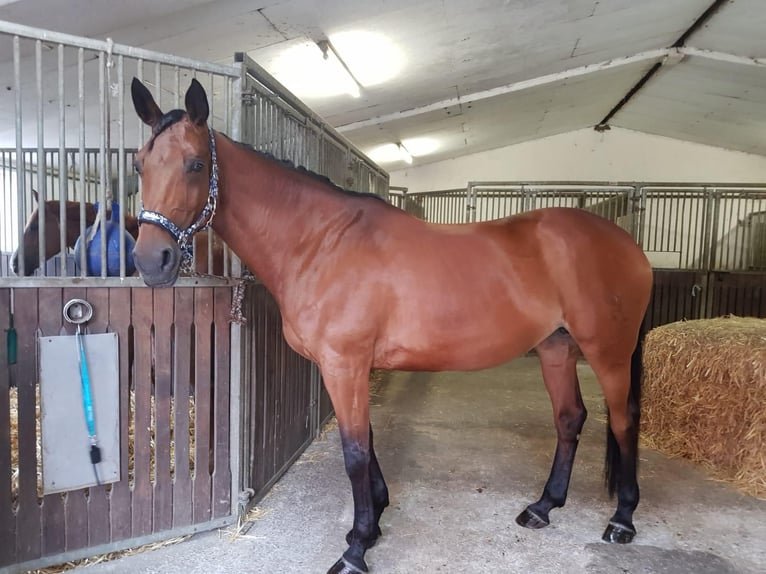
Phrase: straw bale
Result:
[705,396]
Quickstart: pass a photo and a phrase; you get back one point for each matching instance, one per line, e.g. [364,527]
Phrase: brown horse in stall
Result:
[364,285]
[31,237]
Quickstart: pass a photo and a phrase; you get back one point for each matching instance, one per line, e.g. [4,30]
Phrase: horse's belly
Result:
[462,344]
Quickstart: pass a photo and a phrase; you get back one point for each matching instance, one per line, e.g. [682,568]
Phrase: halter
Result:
[203,221]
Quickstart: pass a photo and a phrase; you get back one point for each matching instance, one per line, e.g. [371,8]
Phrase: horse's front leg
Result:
[348,388]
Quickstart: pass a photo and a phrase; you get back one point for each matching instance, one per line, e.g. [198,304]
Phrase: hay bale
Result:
[704,396]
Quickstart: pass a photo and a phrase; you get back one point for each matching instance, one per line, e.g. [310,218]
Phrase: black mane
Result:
[312,174]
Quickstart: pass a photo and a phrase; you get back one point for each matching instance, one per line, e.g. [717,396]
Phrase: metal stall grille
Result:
[707,242]
[276,122]
[69,138]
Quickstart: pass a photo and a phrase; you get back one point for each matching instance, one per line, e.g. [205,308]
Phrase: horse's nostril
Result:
[167,259]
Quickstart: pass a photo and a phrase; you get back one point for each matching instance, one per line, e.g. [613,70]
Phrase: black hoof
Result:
[368,543]
[618,534]
[342,566]
[529,519]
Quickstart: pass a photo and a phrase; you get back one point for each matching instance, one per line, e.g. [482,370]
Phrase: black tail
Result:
[612,463]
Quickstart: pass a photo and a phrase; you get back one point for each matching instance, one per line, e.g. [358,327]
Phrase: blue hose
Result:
[87,400]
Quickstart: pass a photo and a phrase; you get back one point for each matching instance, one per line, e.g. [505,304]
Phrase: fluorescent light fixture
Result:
[404,150]
[421,146]
[346,78]
[344,63]
[370,57]
[404,154]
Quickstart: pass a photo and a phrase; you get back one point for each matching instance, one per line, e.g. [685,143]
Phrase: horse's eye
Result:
[196,165]
[137,167]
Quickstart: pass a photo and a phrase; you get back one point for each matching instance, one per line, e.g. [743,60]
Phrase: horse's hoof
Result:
[367,544]
[342,566]
[618,534]
[529,519]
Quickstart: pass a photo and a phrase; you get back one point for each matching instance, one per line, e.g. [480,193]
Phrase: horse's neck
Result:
[267,216]
[73,219]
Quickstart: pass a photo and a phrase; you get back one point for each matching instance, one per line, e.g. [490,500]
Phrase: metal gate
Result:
[707,242]
[213,403]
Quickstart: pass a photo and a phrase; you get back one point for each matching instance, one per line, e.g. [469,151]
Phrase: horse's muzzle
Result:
[158,267]
[30,264]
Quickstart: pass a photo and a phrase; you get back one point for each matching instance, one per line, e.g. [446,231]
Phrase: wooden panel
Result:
[281,398]
[674,297]
[142,340]
[182,490]
[7,520]
[50,305]
[120,497]
[163,361]
[203,320]
[28,527]
[738,292]
[221,418]
[98,502]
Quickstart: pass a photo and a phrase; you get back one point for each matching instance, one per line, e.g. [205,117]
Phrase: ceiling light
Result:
[404,154]
[343,63]
[303,69]
[421,146]
[405,150]
[340,69]
[371,57]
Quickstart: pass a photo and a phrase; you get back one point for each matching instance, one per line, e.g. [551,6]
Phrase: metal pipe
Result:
[121,199]
[41,183]
[102,159]
[48,36]
[63,180]
[20,195]
[81,128]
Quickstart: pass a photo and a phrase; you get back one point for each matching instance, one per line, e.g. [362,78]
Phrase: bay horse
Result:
[362,285]
[31,238]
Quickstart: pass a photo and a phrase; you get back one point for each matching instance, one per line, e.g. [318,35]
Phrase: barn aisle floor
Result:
[463,454]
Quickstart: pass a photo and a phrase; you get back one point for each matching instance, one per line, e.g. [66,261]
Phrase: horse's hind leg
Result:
[621,392]
[558,357]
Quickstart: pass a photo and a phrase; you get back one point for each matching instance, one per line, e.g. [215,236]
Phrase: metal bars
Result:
[679,225]
[275,122]
[78,149]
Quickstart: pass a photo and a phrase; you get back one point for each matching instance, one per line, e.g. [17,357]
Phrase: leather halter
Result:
[202,222]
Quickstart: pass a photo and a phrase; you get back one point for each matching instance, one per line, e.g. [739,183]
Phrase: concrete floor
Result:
[463,454]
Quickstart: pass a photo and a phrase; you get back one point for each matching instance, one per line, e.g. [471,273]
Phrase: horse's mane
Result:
[307,172]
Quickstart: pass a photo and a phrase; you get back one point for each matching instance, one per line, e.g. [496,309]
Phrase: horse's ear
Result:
[196,103]
[146,108]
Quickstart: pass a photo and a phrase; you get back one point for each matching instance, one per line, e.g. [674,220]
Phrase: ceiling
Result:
[483,74]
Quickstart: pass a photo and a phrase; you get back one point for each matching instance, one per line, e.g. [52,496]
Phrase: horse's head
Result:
[31,238]
[178,192]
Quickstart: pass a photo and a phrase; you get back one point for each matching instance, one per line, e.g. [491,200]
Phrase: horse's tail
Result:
[612,462]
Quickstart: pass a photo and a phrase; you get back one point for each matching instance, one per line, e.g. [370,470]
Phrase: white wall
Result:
[586,155]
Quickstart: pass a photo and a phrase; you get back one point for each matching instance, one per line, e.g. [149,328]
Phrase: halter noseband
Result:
[203,221]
